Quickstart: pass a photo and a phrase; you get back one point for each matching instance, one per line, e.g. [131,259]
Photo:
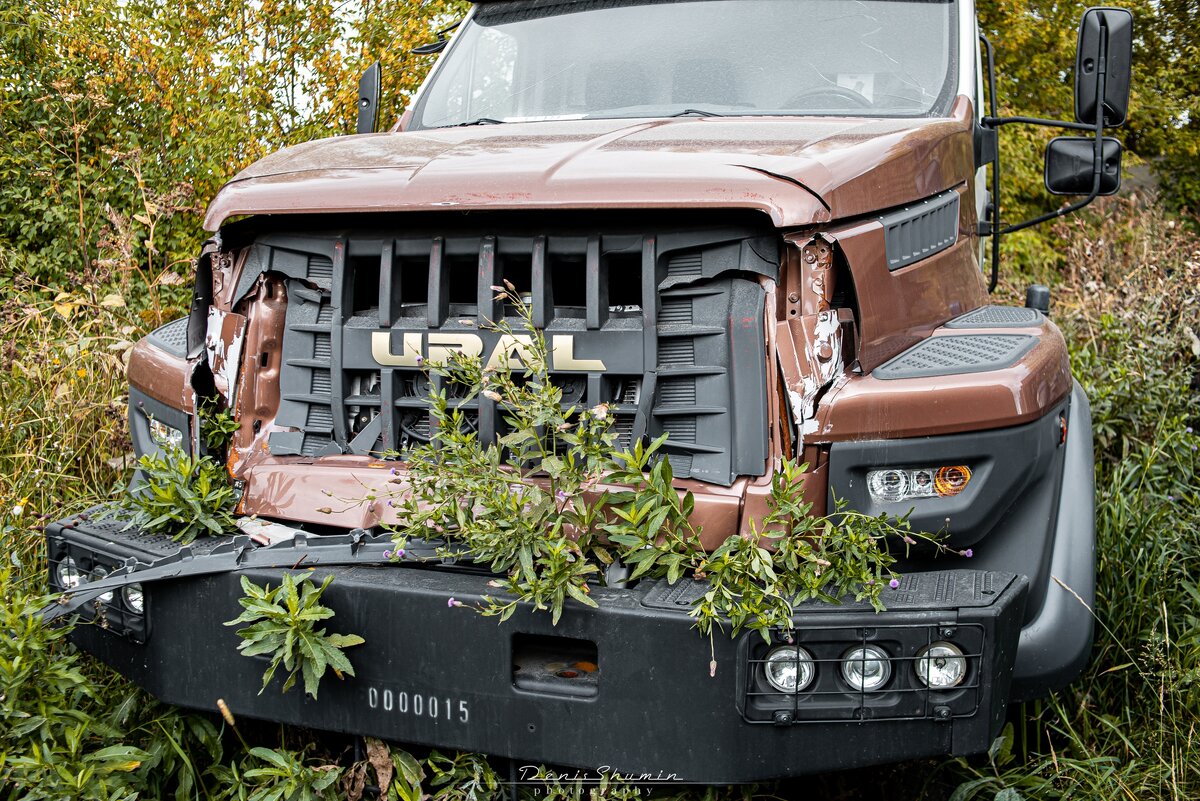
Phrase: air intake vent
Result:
[951,355]
[920,230]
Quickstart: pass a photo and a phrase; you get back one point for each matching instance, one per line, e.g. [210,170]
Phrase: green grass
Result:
[1130,307]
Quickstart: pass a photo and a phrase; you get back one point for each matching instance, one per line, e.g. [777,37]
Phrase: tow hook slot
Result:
[560,666]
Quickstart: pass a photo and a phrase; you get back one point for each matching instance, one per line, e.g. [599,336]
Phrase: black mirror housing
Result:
[1105,34]
[368,100]
[1069,165]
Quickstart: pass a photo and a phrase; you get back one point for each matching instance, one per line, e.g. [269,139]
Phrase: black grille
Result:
[663,308]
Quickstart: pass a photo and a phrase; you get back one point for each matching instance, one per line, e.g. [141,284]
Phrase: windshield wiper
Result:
[480,121]
[699,112]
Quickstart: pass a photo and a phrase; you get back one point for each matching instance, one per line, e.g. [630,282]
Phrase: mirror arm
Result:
[996,122]
[1097,159]
[994,210]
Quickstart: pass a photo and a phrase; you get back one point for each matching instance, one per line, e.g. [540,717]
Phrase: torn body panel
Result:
[223,347]
[258,385]
[810,335]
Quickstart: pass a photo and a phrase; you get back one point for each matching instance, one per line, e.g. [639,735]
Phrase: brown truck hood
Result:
[799,171]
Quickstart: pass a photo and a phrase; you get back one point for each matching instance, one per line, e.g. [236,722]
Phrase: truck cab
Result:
[757,227]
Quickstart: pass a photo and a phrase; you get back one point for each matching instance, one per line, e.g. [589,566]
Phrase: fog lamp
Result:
[67,573]
[98,574]
[941,666]
[133,597]
[789,668]
[866,668]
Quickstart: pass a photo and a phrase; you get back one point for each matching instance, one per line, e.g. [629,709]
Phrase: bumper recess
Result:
[625,687]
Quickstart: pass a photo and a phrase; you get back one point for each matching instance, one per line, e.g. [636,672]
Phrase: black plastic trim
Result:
[649,659]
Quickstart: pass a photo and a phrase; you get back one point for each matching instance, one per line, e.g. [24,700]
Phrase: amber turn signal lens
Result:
[951,480]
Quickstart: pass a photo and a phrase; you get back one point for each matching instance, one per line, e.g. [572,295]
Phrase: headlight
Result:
[941,666]
[894,484]
[164,435]
[132,595]
[67,573]
[99,573]
[789,668]
[866,668]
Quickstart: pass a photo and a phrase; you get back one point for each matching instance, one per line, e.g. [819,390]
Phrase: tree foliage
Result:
[1035,50]
[191,91]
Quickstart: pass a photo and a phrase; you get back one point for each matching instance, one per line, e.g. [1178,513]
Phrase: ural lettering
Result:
[515,349]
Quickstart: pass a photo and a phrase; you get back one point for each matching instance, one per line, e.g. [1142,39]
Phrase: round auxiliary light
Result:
[951,480]
[941,666]
[789,668]
[99,574]
[866,668]
[133,597]
[888,485]
[68,574]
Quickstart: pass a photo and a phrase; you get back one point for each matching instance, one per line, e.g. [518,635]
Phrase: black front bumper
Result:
[626,686]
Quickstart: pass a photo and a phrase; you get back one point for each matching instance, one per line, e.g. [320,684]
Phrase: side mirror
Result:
[1069,162]
[1105,48]
[368,100]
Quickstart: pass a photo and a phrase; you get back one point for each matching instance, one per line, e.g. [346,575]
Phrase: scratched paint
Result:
[223,346]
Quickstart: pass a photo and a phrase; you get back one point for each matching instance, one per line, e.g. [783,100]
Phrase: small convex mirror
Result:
[1105,42]
[1069,161]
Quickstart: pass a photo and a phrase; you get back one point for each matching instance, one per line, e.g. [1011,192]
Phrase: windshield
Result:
[527,60]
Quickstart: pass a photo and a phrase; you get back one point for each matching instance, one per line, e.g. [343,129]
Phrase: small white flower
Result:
[18,510]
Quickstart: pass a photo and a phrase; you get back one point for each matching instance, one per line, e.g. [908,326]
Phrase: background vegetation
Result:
[120,119]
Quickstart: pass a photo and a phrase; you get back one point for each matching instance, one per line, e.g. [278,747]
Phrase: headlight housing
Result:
[67,573]
[941,666]
[891,485]
[789,668]
[134,599]
[99,573]
[866,668]
[164,435]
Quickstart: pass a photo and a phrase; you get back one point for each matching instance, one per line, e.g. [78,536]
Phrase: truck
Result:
[767,229]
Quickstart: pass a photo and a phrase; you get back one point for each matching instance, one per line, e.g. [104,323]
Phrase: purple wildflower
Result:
[420,360]
[453,602]
[561,495]
[894,584]
[387,554]
[394,472]
[967,553]
[1188,429]
[1171,498]
[400,553]
[909,540]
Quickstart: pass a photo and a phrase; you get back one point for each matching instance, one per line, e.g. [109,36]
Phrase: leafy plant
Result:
[182,496]
[283,624]
[217,427]
[278,774]
[555,500]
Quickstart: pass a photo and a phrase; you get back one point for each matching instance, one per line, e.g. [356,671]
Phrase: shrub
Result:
[283,624]
[181,496]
